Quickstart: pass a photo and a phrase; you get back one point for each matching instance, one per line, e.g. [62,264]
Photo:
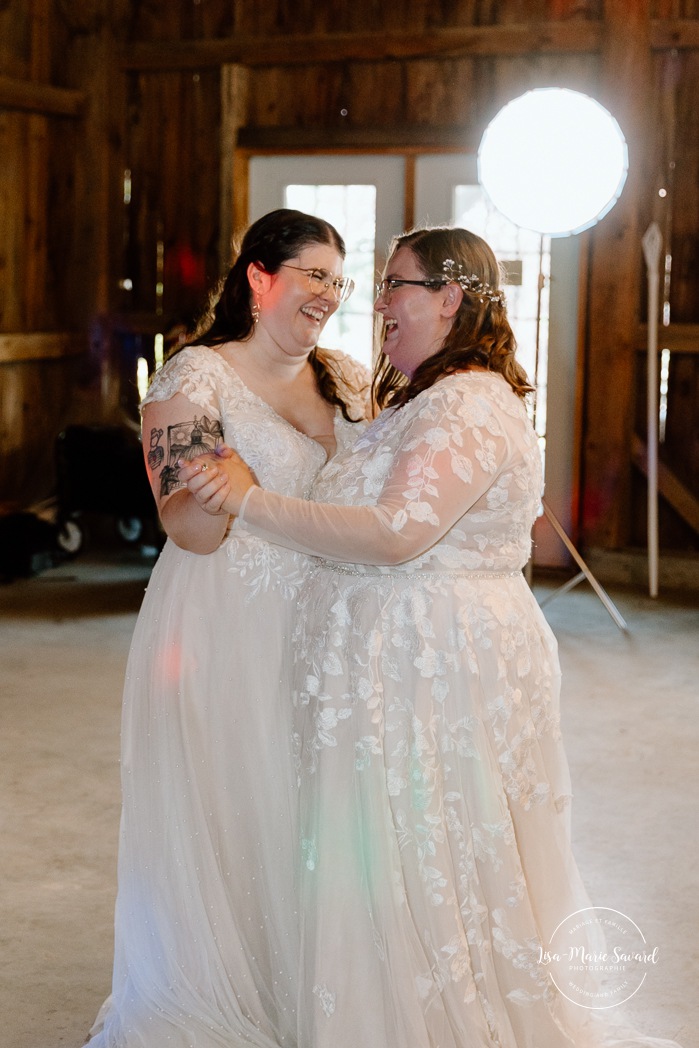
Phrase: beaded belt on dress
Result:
[346,569]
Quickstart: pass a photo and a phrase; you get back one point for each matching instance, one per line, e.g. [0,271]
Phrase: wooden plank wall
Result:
[156,79]
[172,152]
[35,370]
[675,174]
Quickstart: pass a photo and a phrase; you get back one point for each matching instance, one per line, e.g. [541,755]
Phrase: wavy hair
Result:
[272,240]
[480,333]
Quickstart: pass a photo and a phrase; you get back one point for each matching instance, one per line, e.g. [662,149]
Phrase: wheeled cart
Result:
[100,469]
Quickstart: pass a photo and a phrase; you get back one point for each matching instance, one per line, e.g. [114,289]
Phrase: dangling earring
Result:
[255,310]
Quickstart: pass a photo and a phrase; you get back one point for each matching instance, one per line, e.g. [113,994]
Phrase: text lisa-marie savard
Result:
[583,956]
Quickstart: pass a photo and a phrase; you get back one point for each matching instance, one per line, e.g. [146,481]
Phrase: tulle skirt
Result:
[206,917]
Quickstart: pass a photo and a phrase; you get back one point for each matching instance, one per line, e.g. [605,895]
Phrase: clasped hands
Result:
[218,481]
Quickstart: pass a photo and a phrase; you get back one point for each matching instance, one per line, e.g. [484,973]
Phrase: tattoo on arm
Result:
[185,440]
[156,453]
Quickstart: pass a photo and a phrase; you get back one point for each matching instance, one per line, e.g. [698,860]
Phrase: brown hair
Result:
[480,334]
[269,242]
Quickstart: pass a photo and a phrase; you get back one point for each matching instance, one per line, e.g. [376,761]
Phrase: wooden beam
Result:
[409,193]
[674,34]
[304,49]
[40,345]
[234,166]
[396,138]
[614,289]
[93,191]
[495,41]
[682,500]
[40,98]
[678,338]
[37,173]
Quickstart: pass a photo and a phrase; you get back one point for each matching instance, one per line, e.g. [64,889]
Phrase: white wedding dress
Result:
[434,787]
[206,917]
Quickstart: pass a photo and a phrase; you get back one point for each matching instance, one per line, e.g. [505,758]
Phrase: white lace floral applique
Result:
[326,998]
[263,567]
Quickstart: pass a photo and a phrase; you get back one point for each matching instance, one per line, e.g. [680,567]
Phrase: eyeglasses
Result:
[387,286]
[319,280]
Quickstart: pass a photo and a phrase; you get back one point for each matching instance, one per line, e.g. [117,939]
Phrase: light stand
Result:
[555,161]
[652,244]
[584,573]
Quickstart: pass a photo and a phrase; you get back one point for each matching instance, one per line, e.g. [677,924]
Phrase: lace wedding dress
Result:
[206,917]
[433,784]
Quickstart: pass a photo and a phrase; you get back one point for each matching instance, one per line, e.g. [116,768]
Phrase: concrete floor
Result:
[630,722]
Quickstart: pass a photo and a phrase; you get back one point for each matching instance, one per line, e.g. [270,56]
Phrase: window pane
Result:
[352,210]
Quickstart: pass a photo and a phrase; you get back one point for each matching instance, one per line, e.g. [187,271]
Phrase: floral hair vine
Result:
[454,272]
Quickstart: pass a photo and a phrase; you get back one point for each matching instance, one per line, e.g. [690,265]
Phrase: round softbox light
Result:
[553,161]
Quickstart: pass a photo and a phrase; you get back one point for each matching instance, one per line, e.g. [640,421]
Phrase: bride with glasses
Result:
[207,934]
[434,789]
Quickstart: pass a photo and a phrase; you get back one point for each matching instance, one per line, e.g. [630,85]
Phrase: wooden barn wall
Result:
[171,151]
[674,172]
[36,362]
[105,258]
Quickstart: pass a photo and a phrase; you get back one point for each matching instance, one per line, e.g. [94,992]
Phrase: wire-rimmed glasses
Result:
[319,280]
[386,287]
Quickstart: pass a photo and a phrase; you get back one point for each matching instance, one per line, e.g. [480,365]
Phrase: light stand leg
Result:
[565,588]
[584,573]
[652,245]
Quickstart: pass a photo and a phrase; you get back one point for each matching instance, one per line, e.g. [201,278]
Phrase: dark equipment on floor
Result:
[100,470]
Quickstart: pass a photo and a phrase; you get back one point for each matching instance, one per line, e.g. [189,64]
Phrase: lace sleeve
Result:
[192,373]
[452,451]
